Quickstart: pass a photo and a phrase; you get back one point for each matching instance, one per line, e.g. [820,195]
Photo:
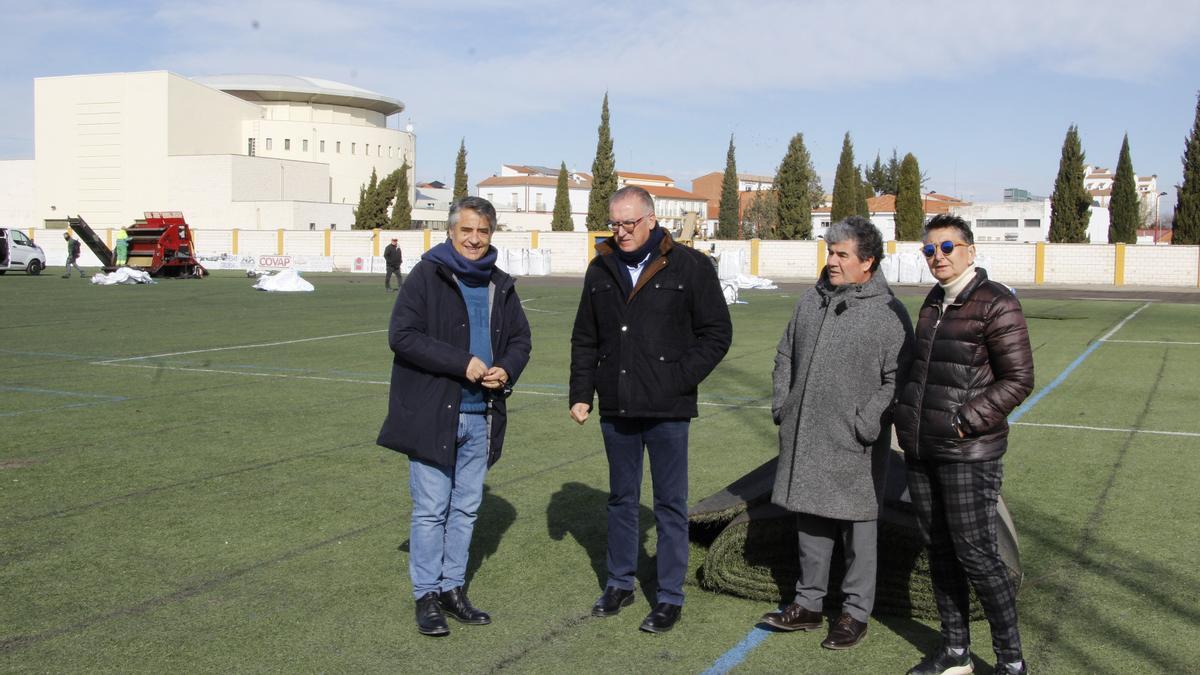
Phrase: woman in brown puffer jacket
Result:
[972,366]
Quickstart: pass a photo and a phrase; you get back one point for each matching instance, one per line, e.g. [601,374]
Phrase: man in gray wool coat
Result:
[835,377]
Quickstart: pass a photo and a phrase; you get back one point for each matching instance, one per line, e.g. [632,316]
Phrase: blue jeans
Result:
[666,441]
[445,502]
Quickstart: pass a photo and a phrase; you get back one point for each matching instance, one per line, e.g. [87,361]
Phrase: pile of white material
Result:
[287,281]
[751,281]
[910,267]
[123,275]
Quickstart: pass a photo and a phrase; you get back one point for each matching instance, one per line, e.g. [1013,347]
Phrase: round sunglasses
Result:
[946,246]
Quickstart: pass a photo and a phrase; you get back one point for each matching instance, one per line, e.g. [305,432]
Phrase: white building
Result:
[1099,182]
[241,151]
[524,196]
[671,204]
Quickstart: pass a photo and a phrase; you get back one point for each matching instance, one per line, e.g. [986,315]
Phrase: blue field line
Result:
[756,635]
[735,656]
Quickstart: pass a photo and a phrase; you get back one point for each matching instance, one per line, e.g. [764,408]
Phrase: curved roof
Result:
[301,90]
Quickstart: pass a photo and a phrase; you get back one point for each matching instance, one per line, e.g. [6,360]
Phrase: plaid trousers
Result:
[955,506]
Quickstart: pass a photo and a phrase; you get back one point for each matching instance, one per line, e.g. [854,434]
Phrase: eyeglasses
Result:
[947,248]
[627,225]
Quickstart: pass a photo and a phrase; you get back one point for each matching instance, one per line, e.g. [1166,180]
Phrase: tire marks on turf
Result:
[15,642]
[1044,650]
[170,486]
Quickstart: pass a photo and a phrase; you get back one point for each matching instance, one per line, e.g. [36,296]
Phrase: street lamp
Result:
[1157,227]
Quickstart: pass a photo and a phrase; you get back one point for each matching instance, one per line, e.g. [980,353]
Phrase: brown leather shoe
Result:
[793,617]
[845,633]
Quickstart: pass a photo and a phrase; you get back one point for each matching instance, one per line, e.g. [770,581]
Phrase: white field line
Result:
[1119,326]
[524,392]
[1153,342]
[232,347]
[1188,434]
[534,309]
[284,376]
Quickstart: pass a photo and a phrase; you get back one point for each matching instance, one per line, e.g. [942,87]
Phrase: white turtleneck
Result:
[953,287]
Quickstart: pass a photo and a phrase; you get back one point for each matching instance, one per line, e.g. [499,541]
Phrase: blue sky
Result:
[981,93]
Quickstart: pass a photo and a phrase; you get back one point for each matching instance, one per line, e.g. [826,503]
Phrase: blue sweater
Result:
[478,316]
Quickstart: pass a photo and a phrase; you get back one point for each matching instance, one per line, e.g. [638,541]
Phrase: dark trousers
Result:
[955,505]
[666,442]
[387,280]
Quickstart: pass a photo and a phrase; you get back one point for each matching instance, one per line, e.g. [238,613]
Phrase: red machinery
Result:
[162,245]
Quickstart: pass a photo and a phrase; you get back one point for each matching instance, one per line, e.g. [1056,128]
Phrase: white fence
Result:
[568,253]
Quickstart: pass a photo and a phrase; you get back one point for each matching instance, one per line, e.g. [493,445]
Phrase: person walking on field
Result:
[972,366]
[393,257]
[72,255]
[459,341]
[836,370]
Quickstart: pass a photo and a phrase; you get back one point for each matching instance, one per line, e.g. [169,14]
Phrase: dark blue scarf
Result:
[473,273]
[632,258]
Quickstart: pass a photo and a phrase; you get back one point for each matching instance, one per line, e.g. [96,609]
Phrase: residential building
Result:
[1099,181]
[709,187]
[671,204]
[524,196]
[882,211]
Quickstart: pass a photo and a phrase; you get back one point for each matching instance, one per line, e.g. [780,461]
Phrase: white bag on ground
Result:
[287,281]
[123,275]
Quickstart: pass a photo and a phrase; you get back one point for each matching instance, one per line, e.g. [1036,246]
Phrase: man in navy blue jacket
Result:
[652,324]
[460,340]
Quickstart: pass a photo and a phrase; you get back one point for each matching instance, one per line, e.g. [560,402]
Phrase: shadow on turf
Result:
[1157,585]
[579,510]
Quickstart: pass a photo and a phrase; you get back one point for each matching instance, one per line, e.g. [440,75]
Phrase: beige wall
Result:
[1014,264]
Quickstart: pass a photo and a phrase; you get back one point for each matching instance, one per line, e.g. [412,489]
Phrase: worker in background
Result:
[393,257]
[121,250]
[72,255]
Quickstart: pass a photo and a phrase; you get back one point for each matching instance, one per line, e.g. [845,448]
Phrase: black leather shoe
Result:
[612,601]
[455,603]
[662,618]
[429,616]
[944,663]
[793,617]
[845,633]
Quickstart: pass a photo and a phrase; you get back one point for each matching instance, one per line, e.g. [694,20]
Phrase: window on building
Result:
[514,200]
[322,145]
[287,144]
[333,226]
[353,147]
[304,145]
[250,147]
[338,147]
[491,197]
[379,151]
[389,151]
[312,227]
[268,144]
[366,148]
[1033,222]
[996,222]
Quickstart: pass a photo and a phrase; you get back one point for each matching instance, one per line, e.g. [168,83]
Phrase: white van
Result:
[19,253]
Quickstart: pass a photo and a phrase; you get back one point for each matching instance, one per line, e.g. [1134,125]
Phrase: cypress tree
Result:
[910,216]
[360,211]
[845,184]
[401,208]
[864,191]
[1069,214]
[604,174]
[460,171]
[385,192]
[792,191]
[1187,204]
[1123,216]
[561,222]
[876,175]
[891,176]
[727,221]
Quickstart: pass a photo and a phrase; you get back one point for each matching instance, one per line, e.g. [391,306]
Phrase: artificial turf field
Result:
[189,482]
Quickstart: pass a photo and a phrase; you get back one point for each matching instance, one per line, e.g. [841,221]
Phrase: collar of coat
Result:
[938,294]
[606,250]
